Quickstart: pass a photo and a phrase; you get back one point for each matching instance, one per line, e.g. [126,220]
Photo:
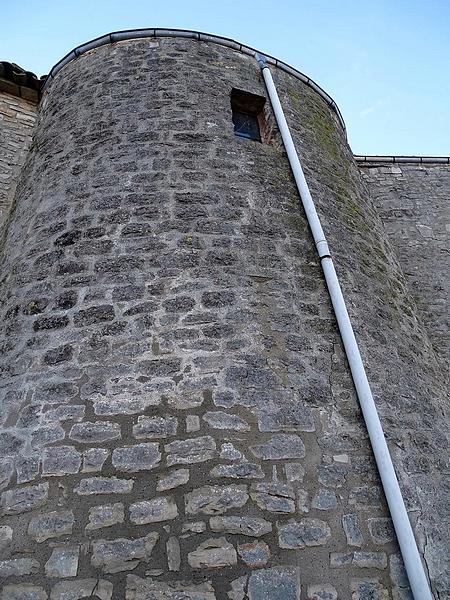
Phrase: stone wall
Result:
[413,201]
[17,119]
[178,415]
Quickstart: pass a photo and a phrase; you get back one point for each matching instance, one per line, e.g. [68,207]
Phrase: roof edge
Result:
[131,34]
[15,81]
[423,160]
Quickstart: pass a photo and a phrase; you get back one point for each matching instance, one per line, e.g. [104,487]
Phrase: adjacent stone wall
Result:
[178,414]
[414,203]
[17,119]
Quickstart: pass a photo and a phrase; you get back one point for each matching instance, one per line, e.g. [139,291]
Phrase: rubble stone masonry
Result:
[178,417]
[17,119]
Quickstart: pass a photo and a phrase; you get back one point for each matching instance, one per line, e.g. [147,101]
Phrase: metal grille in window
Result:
[247,112]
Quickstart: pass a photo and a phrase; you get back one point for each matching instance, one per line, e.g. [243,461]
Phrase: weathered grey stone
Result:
[95,433]
[152,589]
[103,485]
[321,591]
[153,511]
[186,400]
[254,554]
[215,500]
[6,536]
[50,525]
[94,459]
[27,468]
[10,444]
[302,500]
[173,554]
[222,420]
[47,434]
[114,556]
[141,457]
[306,532]
[82,588]
[324,500]
[280,446]
[274,584]
[172,480]
[60,460]
[341,559]
[124,405]
[381,530]
[351,530]
[190,451]
[63,562]
[195,527]
[399,578]
[245,525]
[294,471]
[212,554]
[289,418]
[23,591]
[370,560]
[331,475]
[366,497]
[105,515]
[24,499]
[368,589]
[155,427]
[17,567]
[243,470]
[238,587]
[229,452]
[6,472]
[274,497]
[69,412]
[192,423]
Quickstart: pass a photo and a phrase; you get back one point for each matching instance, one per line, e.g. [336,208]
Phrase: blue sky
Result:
[385,62]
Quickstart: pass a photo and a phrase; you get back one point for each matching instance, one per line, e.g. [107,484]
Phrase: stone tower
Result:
[178,417]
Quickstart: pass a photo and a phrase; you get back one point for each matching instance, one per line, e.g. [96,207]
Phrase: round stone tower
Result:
[179,421]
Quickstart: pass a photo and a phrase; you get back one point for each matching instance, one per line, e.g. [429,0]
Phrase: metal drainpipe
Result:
[408,547]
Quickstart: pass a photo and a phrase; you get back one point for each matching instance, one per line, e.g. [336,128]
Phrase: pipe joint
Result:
[323,249]
[262,60]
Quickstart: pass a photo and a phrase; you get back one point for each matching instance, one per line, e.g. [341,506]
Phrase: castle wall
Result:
[17,119]
[176,405]
[413,201]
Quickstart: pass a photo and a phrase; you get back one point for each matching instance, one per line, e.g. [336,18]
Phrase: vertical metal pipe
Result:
[408,547]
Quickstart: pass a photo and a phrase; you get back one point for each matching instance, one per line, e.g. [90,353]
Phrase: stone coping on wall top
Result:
[424,160]
[131,34]
[17,82]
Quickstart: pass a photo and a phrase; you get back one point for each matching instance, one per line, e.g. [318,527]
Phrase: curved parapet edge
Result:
[119,36]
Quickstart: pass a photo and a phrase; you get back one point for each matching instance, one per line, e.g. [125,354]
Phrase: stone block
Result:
[142,457]
[153,511]
[244,525]
[51,525]
[105,515]
[172,480]
[215,500]
[212,554]
[103,485]
[280,446]
[274,584]
[190,451]
[306,532]
[63,562]
[24,499]
[114,556]
[82,588]
[254,554]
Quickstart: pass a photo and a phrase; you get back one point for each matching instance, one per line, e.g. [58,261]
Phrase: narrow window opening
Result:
[247,112]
